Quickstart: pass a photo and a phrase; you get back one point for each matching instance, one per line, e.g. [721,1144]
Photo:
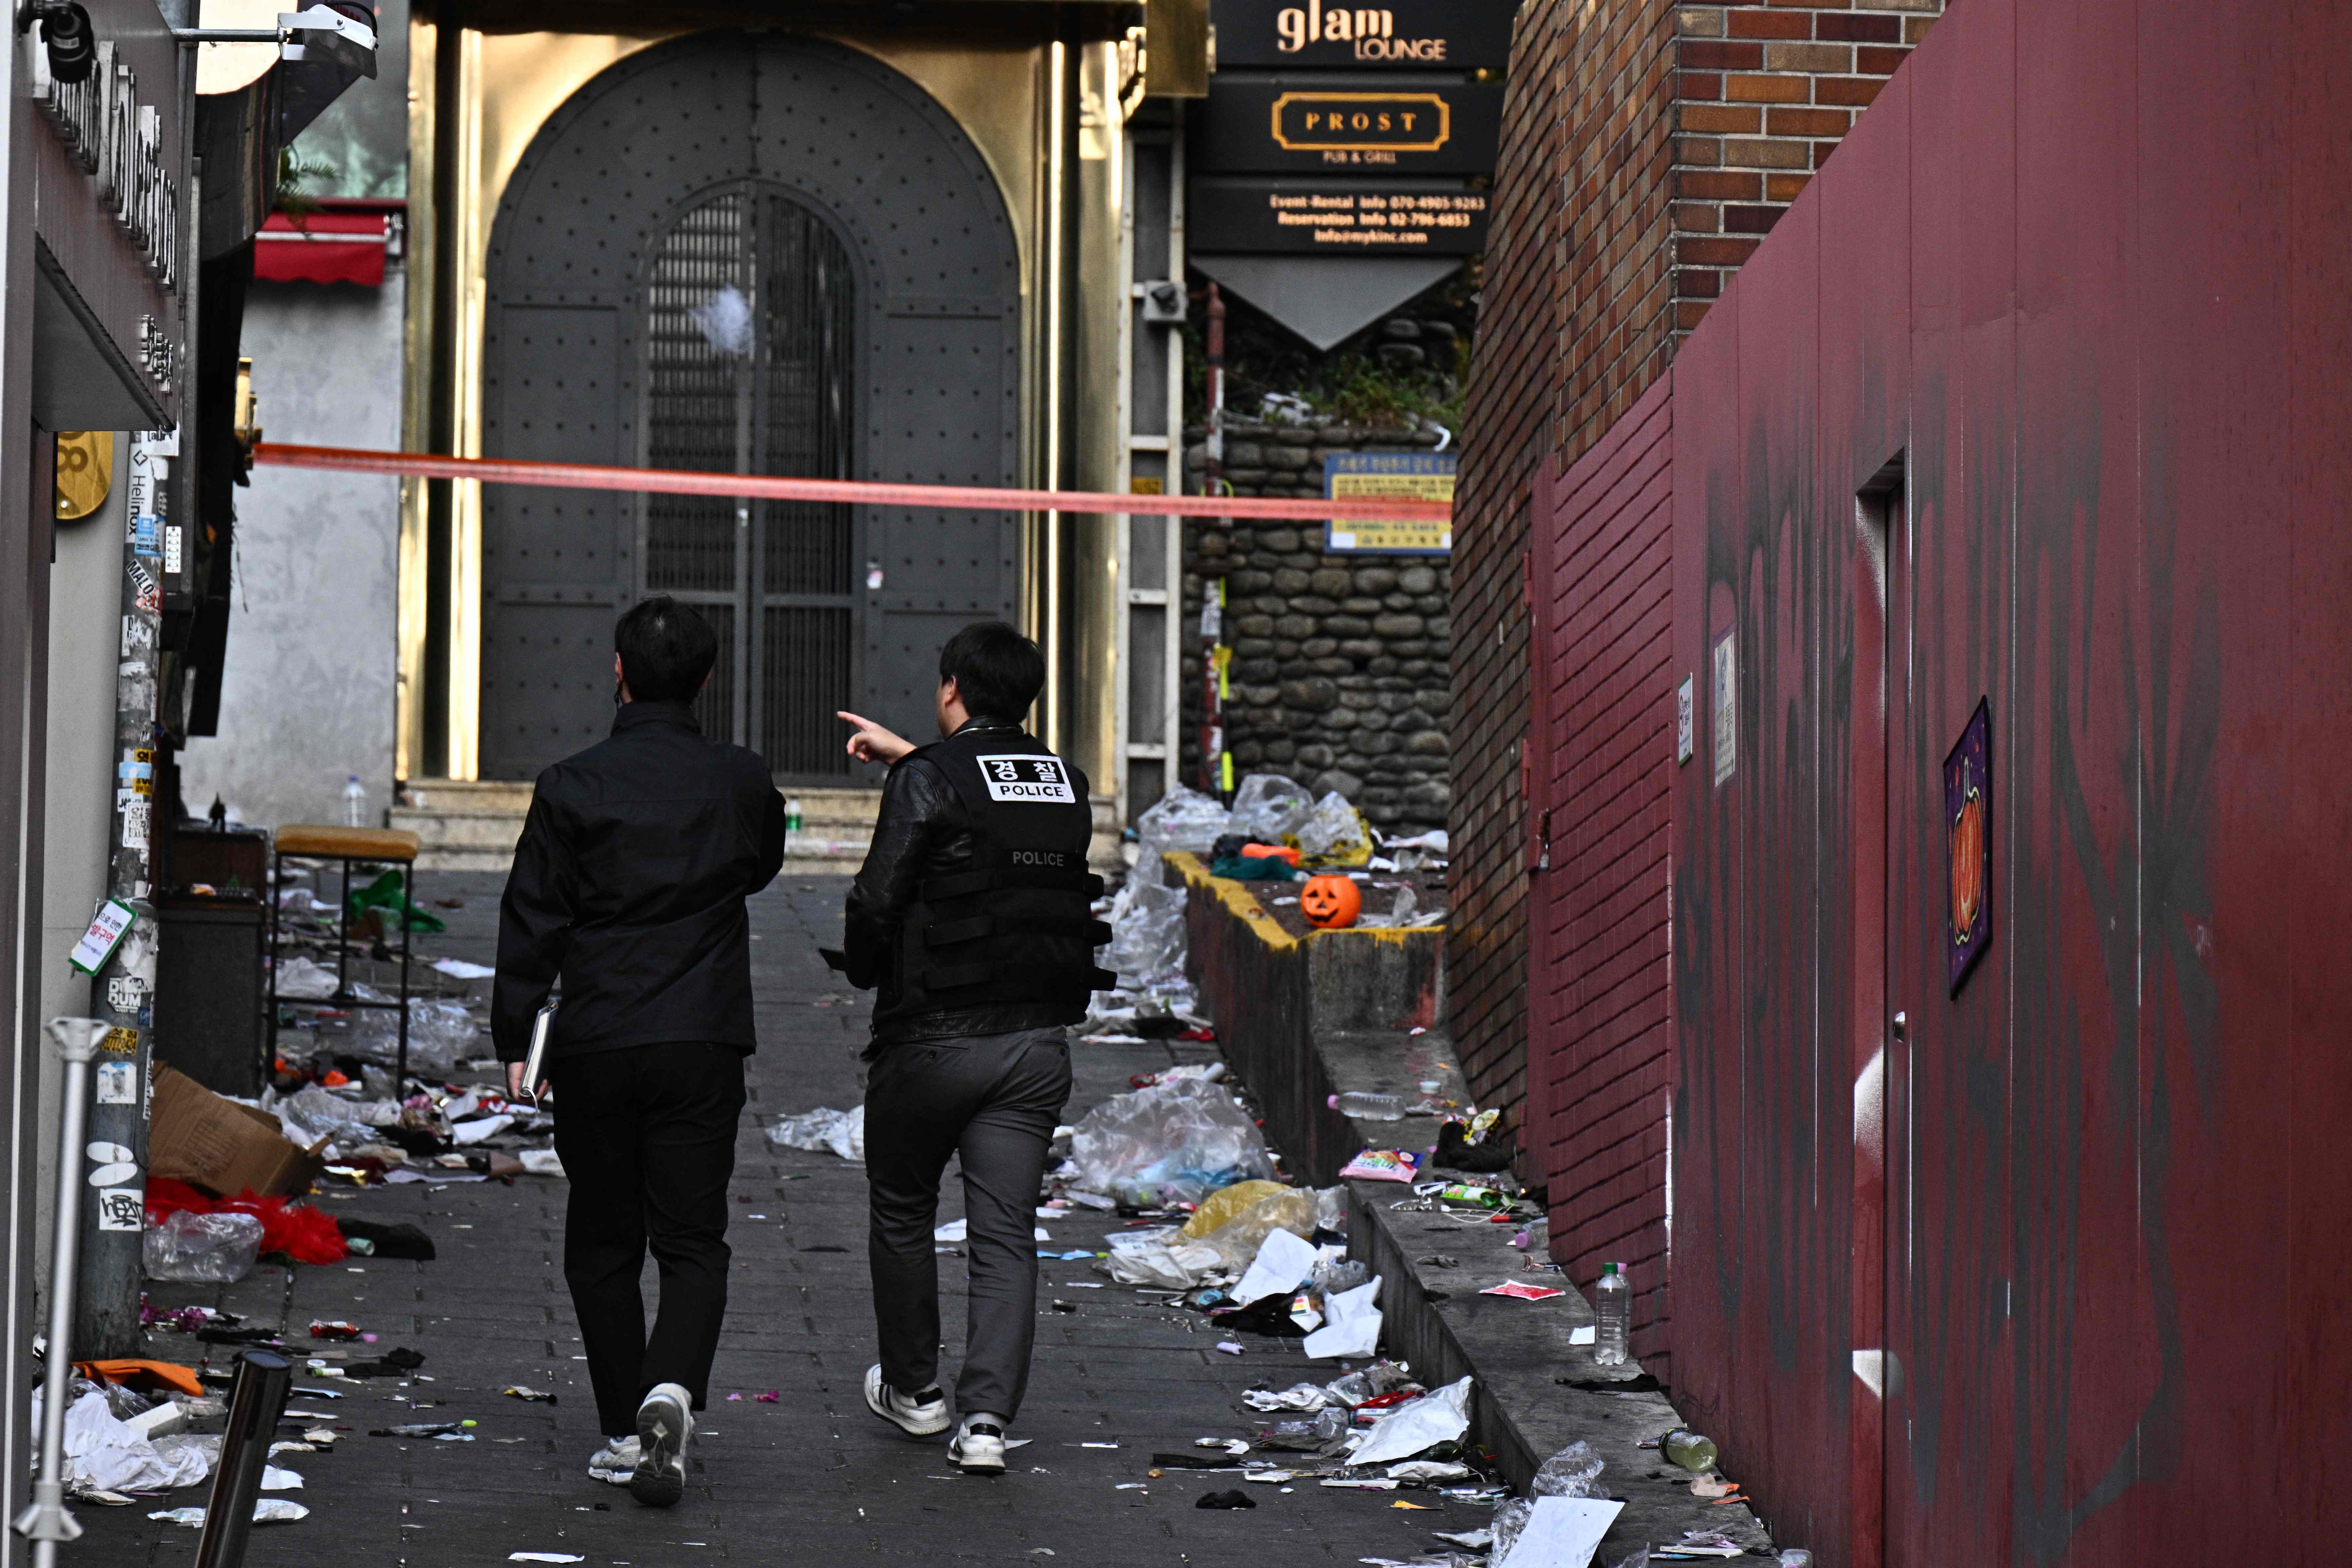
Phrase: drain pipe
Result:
[46,1521]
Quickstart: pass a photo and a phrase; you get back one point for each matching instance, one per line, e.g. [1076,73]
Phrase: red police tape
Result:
[863,492]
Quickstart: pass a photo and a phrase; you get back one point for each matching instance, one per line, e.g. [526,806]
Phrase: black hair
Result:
[666,650]
[997,671]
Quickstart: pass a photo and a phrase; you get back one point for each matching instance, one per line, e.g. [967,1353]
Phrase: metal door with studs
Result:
[751,254]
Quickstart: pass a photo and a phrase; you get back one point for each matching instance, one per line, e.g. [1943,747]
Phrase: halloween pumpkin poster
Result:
[1968,838]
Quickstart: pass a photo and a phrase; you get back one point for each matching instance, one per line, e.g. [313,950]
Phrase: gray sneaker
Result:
[978,1447]
[664,1422]
[614,1463]
[923,1414]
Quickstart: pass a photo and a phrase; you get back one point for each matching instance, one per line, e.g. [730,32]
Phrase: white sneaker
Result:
[664,1422]
[923,1414]
[979,1445]
[614,1463]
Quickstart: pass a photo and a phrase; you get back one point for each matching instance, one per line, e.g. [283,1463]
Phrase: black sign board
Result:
[1368,124]
[1242,214]
[1412,35]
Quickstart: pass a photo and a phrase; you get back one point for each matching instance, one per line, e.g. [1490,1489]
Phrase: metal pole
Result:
[46,1521]
[255,1403]
[106,1293]
[1212,482]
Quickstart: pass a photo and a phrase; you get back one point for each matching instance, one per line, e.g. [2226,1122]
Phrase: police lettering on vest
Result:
[1016,926]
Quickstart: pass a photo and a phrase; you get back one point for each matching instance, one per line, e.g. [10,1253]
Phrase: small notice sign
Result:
[1026,780]
[107,930]
[1389,475]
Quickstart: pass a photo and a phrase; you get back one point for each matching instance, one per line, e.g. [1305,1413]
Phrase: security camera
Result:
[67,33]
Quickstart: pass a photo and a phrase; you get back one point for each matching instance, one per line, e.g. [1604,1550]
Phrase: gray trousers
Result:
[993,1100]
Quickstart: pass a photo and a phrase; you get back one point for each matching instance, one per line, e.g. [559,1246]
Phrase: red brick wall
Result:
[1598,1027]
[1646,148]
[1512,399]
[1765,92]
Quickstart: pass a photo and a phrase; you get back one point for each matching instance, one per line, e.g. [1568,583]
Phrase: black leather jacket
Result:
[923,832]
[629,884]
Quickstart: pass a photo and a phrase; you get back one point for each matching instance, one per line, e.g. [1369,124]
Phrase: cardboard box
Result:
[197,1137]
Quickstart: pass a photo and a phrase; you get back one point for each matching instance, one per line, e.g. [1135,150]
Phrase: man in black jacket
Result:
[970,917]
[628,885]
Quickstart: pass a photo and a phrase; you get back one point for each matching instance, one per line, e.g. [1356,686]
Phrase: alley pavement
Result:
[811,1477]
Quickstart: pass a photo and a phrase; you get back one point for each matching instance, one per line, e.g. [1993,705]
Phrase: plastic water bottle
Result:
[354,803]
[1612,1312]
[1367,1107]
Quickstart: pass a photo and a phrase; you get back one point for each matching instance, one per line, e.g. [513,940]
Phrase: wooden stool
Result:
[351,846]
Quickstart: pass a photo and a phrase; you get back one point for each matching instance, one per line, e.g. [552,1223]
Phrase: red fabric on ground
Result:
[298,1230]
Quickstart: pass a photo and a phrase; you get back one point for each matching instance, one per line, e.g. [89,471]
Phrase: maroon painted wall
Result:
[2082,271]
[1599,1033]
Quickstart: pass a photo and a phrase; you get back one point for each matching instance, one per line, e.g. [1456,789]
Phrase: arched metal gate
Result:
[750,254]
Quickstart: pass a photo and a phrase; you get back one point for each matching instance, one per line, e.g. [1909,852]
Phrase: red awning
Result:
[329,245]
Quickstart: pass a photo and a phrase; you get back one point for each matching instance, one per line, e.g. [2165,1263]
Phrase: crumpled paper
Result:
[843,1131]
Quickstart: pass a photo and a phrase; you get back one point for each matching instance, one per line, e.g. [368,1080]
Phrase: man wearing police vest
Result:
[970,920]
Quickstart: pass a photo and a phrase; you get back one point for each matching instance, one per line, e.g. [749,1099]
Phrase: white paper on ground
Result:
[951,1231]
[1438,1416]
[541,1163]
[1582,1336]
[545,1557]
[459,969]
[1351,1322]
[1282,1261]
[274,1479]
[1562,1532]
[473,1132]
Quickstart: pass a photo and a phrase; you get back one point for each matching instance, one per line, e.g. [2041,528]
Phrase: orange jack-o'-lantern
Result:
[1330,901]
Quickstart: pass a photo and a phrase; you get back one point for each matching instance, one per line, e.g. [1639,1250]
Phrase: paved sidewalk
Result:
[812,1477]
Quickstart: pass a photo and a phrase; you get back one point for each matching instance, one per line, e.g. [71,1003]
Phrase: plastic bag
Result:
[1177,1141]
[842,1131]
[1147,944]
[1574,1471]
[1268,806]
[311,1114]
[1439,1416]
[440,1034]
[1226,1204]
[1182,820]
[1509,1520]
[1331,1210]
[301,980]
[1239,1240]
[1335,834]
[212,1248]
[1178,1267]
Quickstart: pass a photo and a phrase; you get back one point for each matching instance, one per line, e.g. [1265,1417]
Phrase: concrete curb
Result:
[1300,1019]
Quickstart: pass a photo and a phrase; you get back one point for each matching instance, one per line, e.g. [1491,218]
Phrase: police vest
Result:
[1016,925]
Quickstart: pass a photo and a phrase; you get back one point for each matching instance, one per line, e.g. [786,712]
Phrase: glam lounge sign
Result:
[1421,35]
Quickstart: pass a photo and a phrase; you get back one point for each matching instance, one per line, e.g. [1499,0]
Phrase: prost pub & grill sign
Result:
[1359,131]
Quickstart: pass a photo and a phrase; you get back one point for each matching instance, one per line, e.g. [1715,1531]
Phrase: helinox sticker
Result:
[1026,779]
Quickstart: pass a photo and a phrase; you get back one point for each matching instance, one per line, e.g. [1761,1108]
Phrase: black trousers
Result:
[647,1134]
[993,1100]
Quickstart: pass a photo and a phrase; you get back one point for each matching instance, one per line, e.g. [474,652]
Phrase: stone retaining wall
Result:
[1339,675]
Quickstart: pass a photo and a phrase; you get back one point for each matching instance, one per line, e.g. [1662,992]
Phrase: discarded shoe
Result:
[614,1463]
[664,1422]
[923,1414]
[978,1446]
